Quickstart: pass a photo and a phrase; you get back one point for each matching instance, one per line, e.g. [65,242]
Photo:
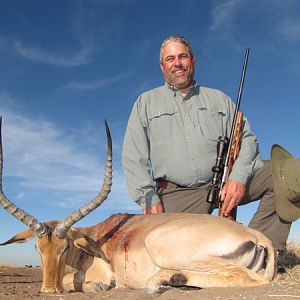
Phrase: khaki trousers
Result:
[260,187]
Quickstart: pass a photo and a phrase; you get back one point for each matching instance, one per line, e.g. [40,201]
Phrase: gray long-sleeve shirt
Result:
[173,137]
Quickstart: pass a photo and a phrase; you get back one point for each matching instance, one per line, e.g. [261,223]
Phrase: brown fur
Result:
[147,251]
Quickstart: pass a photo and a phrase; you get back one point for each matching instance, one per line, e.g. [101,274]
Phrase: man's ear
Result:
[161,66]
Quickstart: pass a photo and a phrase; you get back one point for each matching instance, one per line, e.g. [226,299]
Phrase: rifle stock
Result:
[234,153]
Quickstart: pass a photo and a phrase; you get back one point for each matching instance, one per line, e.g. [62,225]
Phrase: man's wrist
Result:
[150,201]
[154,209]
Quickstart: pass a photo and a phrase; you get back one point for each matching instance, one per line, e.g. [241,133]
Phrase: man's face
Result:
[177,65]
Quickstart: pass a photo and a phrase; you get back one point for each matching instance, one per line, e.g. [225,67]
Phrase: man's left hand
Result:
[232,195]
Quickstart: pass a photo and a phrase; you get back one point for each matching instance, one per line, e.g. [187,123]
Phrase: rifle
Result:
[228,151]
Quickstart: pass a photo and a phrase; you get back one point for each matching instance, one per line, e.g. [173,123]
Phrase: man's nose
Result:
[177,61]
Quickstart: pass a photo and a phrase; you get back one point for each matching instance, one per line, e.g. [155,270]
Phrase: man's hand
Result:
[155,209]
[232,195]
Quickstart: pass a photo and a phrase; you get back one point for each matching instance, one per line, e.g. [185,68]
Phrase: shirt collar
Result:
[175,89]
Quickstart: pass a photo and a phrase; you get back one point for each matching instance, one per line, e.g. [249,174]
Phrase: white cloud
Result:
[96,84]
[289,29]
[42,156]
[60,59]
[20,196]
[267,25]
[41,159]
[223,14]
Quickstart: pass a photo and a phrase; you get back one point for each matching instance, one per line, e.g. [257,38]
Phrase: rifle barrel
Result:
[237,108]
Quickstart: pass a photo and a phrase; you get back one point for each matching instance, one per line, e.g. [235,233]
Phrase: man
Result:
[170,147]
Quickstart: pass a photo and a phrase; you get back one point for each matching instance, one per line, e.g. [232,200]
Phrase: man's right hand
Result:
[155,209]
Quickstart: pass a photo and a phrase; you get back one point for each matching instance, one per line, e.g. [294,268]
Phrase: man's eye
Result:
[169,59]
[183,56]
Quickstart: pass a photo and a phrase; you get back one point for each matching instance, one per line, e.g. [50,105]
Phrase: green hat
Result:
[286,181]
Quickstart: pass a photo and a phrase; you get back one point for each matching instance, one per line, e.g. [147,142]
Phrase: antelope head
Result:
[55,239]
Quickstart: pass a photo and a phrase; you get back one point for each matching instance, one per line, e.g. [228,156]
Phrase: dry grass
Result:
[290,263]
[69,269]
[292,256]
[11,266]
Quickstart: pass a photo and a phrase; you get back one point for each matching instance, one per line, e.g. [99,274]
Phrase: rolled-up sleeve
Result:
[135,159]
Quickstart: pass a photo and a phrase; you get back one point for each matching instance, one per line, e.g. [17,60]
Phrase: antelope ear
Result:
[87,244]
[90,247]
[21,237]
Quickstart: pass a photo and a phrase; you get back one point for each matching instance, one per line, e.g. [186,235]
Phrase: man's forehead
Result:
[174,48]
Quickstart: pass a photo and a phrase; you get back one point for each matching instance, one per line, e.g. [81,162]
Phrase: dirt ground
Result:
[24,283]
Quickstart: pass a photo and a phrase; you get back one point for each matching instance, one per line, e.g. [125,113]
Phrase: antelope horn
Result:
[39,228]
[62,227]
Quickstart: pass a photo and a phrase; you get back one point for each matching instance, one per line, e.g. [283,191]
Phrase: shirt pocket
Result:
[162,114]
[163,125]
[212,122]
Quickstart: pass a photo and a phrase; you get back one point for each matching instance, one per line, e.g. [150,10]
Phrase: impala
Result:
[144,251]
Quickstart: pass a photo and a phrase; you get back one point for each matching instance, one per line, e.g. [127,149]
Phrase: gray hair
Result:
[175,38]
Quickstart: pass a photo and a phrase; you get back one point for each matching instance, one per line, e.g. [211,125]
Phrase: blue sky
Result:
[68,65]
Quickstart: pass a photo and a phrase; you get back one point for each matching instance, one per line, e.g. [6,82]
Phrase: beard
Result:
[180,82]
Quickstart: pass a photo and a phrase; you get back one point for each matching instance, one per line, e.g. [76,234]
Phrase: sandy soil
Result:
[24,283]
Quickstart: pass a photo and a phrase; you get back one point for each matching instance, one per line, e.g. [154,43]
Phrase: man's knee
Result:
[261,185]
